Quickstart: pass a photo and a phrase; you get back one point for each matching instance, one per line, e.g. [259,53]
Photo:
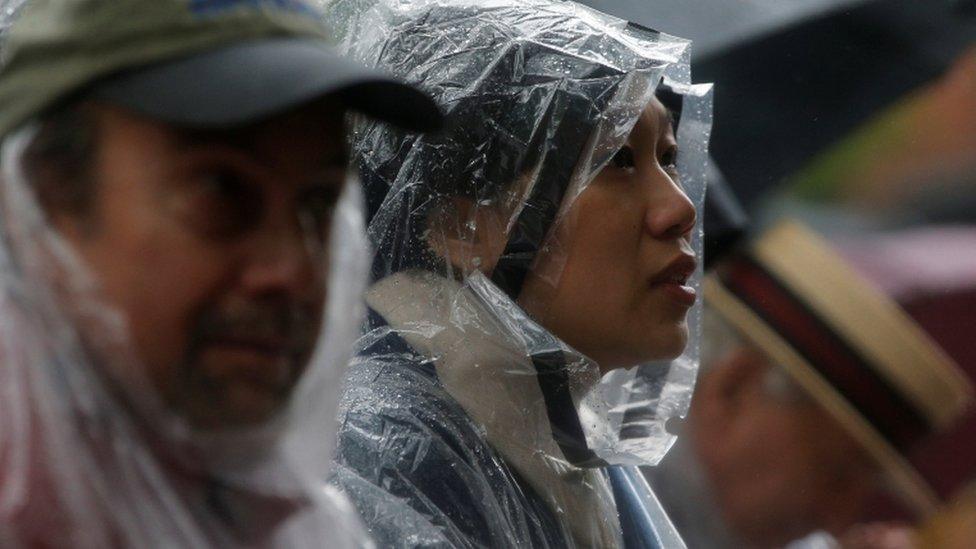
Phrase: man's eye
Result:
[317,206]
[226,204]
[222,185]
[624,159]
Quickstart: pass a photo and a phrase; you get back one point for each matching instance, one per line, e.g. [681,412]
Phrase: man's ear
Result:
[721,403]
[734,377]
[470,235]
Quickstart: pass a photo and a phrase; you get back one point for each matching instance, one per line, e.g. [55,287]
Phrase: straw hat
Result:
[845,343]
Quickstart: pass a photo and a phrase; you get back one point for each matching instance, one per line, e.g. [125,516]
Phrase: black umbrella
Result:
[717,25]
[793,76]
[726,221]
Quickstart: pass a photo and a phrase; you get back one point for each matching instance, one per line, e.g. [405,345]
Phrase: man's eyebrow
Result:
[337,159]
[244,143]
[328,176]
[190,139]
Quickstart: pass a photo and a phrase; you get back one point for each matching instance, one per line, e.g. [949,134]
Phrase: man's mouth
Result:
[263,346]
[265,363]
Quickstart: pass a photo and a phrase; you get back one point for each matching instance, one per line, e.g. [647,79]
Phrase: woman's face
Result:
[614,285]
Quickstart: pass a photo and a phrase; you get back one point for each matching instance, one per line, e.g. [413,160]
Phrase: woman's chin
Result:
[669,349]
[669,346]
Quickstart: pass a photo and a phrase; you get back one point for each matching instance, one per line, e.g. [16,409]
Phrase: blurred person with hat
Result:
[931,272]
[181,259]
[952,528]
[814,388]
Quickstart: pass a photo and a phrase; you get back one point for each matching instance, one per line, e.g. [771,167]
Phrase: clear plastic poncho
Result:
[465,421]
[91,459]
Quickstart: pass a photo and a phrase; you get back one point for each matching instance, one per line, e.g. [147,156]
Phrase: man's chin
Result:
[235,387]
[246,405]
[234,405]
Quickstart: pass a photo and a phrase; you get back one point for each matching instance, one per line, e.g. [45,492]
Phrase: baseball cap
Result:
[206,63]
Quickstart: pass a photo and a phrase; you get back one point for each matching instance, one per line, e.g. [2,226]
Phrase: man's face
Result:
[615,288]
[780,466]
[214,247]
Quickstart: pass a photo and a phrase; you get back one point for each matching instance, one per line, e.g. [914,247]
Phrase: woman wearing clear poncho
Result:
[540,242]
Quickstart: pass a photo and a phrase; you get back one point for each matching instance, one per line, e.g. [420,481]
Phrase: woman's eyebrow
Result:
[667,120]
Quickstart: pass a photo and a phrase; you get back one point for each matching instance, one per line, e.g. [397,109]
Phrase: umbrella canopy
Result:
[793,77]
[715,26]
[915,162]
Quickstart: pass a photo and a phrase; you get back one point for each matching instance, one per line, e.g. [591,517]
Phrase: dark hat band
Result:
[848,372]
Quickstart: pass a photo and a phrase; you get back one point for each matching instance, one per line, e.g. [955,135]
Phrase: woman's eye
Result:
[624,159]
[669,160]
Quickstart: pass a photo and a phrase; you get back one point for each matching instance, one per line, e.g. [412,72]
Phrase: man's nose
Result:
[283,258]
[671,214]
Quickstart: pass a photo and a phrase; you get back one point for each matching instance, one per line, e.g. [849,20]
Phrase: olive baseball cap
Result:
[207,63]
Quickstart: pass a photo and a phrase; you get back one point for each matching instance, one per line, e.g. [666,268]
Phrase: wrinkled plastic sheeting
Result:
[91,460]
[9,9]
[529,84]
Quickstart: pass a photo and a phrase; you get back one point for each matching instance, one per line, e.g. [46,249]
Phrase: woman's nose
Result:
[671,214]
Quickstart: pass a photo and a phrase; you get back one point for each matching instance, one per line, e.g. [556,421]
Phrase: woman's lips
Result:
[684,295]
[673,280]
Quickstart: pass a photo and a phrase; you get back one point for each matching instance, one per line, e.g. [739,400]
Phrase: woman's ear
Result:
[469,234]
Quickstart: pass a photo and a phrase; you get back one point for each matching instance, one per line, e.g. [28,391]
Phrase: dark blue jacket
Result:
[422,474]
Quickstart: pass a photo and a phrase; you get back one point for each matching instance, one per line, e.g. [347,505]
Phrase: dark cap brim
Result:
[252,81]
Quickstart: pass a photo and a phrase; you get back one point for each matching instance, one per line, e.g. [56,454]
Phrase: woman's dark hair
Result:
[513,107]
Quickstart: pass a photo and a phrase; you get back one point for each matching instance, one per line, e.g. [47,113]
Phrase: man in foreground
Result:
[175,212]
